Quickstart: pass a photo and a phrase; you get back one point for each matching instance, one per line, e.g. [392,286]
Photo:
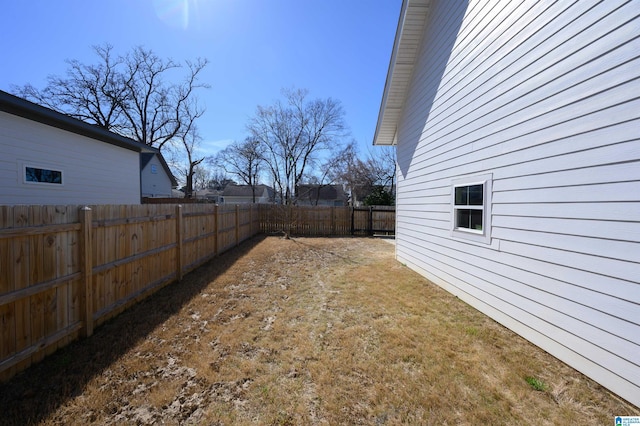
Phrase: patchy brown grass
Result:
[304,331]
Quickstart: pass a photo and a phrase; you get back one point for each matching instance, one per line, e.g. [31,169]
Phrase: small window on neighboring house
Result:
[154,169]
[42,175]
[471,207]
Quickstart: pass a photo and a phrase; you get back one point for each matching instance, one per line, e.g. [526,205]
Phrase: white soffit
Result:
[413,17]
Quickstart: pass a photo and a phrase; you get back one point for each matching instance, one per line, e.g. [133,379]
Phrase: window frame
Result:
[483,235]
[32,165]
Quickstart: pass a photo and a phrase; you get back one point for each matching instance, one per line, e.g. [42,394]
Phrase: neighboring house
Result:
[321,195]
[517,127]
[176,193]
[209,194]
[50,158]
[155,177]
[240,194]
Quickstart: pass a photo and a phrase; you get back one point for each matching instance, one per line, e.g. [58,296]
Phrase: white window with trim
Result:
[471,208]
[37,174]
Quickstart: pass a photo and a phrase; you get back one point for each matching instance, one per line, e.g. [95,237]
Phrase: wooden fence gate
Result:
[373,220]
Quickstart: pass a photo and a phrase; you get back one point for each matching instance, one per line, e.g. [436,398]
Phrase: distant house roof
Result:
[207,193]
[23,108]
[145,157]
[246,191]
[321,192]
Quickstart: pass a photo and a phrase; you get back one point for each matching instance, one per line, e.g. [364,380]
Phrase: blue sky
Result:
[333,48]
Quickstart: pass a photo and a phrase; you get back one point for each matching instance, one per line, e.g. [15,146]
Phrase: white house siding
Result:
[260,199]
[94,172]
[155,184]
[544,97]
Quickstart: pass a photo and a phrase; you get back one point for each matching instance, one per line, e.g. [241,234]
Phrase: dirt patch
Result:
[304,331]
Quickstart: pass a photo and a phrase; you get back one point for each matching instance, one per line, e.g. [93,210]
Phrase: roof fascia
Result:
[165,166]
[22,108]
[408,6]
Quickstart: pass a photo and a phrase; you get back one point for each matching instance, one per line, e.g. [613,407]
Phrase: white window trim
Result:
[23,172]
[483,236]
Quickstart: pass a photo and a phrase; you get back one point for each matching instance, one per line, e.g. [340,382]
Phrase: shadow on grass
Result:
[32,395]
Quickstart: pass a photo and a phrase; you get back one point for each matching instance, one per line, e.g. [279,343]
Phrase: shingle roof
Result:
[245,191]
[321,192]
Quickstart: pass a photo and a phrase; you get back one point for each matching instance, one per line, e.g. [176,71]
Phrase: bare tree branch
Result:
[242,159]
[129,94]
[294,134]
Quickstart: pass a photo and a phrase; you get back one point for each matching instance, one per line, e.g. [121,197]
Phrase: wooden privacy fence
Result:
[314,221]
[66,269]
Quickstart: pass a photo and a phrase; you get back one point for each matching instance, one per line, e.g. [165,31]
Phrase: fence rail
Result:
[66,269]
[323,221]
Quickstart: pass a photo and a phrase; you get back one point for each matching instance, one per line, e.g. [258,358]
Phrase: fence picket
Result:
[321,221]
[64,270]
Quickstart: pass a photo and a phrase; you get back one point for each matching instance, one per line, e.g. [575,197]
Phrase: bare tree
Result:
[354,173]
[218,179]
[154,111]
[187,165]
[375,174]
[327,171]
[201,177]
[242,159]
[293,134]
[382,162]
[187,140]
[129,94]
[93,93]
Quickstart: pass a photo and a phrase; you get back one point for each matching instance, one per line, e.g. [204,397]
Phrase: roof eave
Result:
[165,166]
[406,46]
[23,108]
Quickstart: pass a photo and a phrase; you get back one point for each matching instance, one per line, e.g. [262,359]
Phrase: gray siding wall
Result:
[544,98]
[260,198]
[94,172]
[155,184]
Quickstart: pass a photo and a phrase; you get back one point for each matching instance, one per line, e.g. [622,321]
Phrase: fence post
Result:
[179,232]
[333,222]
[371,220]
[353,218]
[237,224]
[86,266]
[254,207]
[215,229]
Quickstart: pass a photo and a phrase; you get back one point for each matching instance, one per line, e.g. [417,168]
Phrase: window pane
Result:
[475,195]
[33,174]
[476,219]
[469,219]
[463,218]
[461,195]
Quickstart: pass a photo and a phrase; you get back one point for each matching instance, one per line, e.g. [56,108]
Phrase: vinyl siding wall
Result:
[94,172]
[260,198]
[545,97]
[156,184]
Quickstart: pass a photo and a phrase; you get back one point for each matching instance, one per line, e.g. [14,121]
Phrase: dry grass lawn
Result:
[305,332]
